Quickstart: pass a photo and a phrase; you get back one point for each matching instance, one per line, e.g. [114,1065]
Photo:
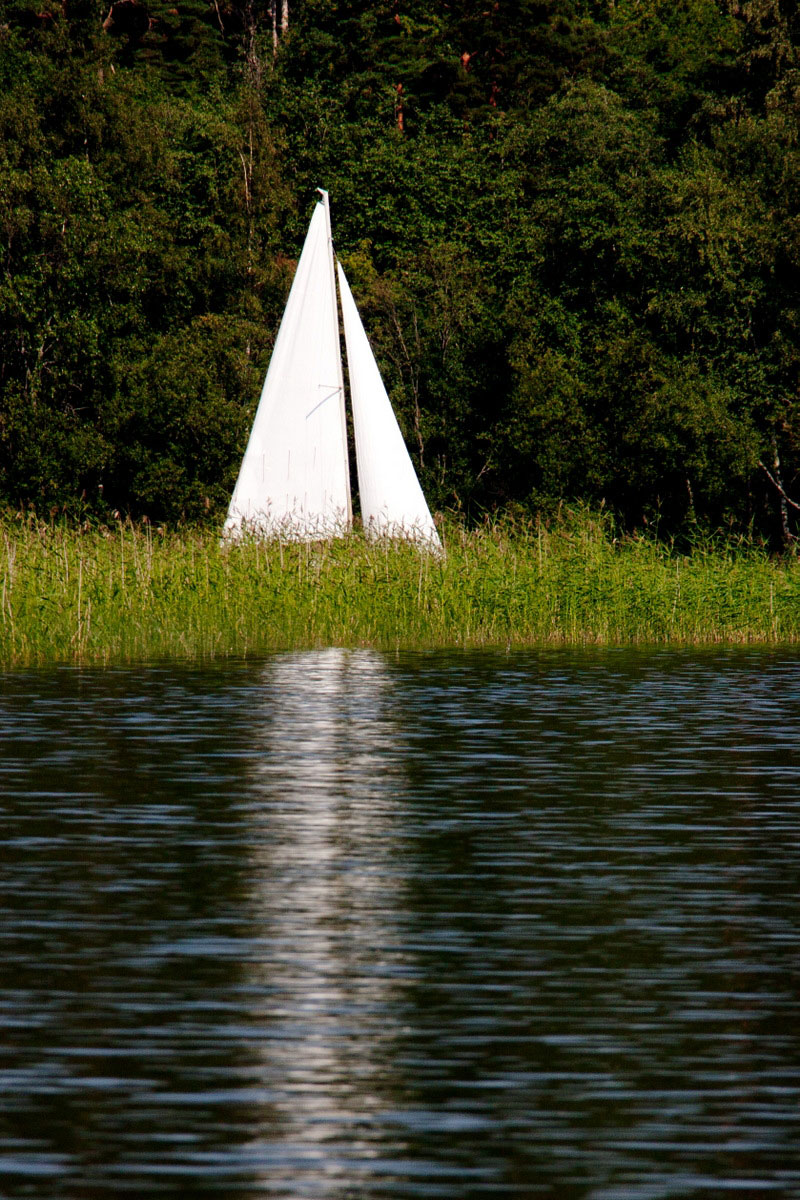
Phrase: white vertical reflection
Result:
[325,880]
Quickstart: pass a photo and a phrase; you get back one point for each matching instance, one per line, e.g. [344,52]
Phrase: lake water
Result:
[346,925]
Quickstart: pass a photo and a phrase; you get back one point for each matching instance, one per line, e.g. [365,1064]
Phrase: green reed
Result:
[134,592]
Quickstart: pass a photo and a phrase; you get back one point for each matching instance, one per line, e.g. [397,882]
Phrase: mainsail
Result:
[392,503]
[294,479]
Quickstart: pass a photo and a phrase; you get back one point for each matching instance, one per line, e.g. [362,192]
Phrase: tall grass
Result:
[131,592]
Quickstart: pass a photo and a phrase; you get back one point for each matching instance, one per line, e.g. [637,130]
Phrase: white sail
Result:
[294,480]
[392,503]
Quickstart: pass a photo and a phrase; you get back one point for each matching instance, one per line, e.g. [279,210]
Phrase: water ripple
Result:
[343,924]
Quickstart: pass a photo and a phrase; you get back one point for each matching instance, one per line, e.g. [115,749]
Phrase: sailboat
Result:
[294,481]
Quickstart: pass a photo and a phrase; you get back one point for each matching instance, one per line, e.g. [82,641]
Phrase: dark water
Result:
[345,925]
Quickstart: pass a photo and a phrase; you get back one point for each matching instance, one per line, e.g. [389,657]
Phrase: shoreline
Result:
[134,593]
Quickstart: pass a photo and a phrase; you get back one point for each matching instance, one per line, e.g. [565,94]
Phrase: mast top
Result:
[327,207]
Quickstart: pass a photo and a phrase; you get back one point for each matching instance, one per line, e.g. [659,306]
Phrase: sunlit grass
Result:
[132,592]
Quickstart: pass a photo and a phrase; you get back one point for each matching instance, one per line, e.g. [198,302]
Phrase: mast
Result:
[326,204]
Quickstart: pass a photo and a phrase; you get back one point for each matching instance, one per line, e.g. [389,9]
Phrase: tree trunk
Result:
[252,60]
[787,534]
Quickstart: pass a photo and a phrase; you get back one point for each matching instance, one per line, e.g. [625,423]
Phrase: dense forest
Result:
[572,227]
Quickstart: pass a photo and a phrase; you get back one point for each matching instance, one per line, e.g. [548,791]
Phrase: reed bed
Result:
[131,592]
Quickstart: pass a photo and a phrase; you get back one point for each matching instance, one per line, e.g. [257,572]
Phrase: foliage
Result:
[573,228]
[100,593]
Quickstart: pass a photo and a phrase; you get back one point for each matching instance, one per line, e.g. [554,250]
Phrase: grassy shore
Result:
[132,592]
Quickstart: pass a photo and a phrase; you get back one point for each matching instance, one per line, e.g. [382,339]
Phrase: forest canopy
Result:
[572,227]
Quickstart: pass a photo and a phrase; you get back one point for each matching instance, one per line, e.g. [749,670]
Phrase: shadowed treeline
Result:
[571,226]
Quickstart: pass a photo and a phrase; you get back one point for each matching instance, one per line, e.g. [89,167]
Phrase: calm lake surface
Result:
[342,924]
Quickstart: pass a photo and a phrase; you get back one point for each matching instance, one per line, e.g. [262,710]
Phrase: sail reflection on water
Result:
[325,879]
